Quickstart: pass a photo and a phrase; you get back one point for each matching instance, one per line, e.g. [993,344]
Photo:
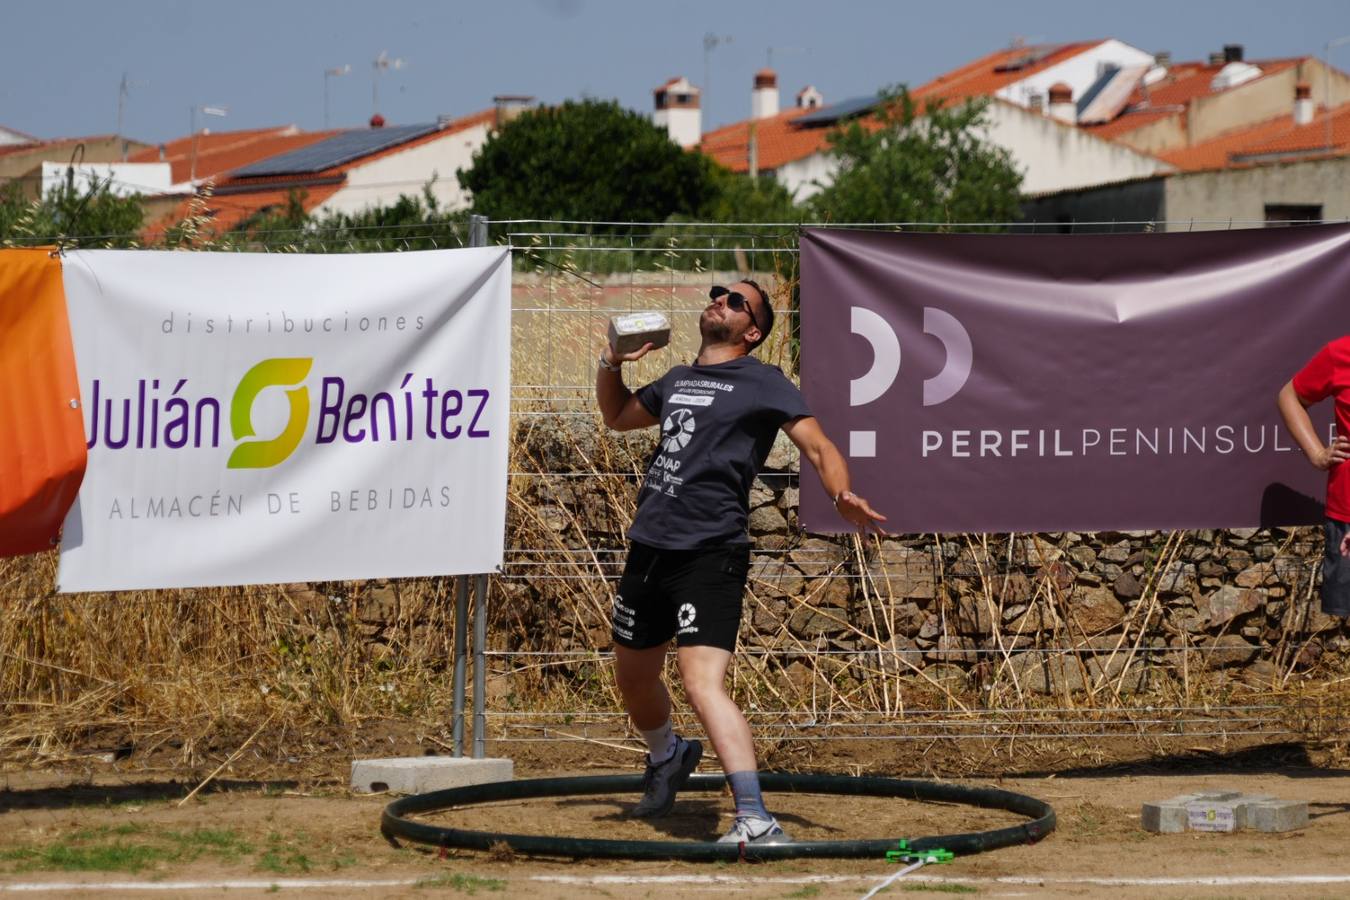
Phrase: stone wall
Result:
[1052,612]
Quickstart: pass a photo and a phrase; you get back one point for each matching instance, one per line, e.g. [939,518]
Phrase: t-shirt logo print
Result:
[685,615]
[677,430]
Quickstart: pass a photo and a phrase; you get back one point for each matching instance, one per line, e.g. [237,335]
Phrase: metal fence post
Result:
[480,609]
[478,237]
[478,231]
[461,652]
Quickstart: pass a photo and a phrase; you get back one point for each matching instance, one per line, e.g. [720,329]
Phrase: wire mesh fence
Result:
[1211,635]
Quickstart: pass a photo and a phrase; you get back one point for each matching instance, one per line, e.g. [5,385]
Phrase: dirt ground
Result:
[98,825]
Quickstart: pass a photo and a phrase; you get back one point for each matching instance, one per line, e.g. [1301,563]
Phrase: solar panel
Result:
[844,109]
[334,151]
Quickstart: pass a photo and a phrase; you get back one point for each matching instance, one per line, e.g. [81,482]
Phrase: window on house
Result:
[1281,215]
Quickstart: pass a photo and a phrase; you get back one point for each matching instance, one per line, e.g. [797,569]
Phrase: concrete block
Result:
[1277,815]
[421,774]
[1164,817]
[1218,796]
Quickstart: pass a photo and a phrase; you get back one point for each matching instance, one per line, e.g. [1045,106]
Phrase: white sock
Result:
[660,743]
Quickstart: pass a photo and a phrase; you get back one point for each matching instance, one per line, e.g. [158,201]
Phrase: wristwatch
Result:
[607,367]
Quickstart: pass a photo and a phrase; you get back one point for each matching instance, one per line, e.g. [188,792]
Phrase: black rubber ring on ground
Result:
[393,823]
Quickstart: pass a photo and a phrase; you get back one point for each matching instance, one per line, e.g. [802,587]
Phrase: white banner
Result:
[273,418]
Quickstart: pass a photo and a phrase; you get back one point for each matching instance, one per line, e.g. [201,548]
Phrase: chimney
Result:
[764,99]
[1232,53]
[1163,59]
[1303,103]
[508,106]
[1062,106]
[678,110]
[810,98]
[1217,58]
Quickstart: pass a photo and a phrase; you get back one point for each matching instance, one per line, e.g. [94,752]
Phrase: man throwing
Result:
[690,554]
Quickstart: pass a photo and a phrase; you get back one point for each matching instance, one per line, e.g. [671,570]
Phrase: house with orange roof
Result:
[1022,82]
[1177,105]
[1290,167]
[1070,115]
[208,154]
[345,171]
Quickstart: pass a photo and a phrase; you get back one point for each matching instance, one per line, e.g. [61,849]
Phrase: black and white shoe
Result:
[661,782]
[754,830]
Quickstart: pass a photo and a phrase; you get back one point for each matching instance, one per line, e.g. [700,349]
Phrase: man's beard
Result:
[712,329]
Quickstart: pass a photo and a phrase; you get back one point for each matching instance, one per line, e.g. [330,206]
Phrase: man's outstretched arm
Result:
[619,406]
[829,463]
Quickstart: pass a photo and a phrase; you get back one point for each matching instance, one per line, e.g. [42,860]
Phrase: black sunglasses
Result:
[737,301]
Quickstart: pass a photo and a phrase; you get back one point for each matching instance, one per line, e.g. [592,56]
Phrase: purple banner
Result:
[995,383]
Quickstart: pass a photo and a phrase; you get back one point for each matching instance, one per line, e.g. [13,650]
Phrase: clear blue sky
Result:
[60,69]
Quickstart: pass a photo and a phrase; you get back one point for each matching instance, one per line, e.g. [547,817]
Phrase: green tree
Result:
[590,161]
[739,198]
[907,165]
[92,216]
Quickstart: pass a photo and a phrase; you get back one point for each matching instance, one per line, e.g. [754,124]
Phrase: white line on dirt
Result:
[600,880]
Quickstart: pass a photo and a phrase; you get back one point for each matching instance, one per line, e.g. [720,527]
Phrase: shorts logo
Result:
[685,615]
[677,430]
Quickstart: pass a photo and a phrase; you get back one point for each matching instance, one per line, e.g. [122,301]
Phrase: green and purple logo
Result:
[165,414]
[263,454]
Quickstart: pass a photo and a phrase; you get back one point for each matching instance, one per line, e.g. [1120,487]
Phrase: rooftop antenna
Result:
[221,111]
[382,63]
[710,43]
[124,91]
[336,72]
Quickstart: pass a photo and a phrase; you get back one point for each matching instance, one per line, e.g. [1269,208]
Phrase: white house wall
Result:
[1053,156]
[1050,155]
[803,177]
[383,181]
[1079,72]
[123,179]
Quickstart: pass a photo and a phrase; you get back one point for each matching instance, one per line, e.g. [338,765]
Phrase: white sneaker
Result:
[754,830]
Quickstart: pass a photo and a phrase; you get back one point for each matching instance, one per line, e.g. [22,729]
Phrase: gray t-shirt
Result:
[718,424]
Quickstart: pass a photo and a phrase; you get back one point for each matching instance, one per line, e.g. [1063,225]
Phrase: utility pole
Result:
[124,91]
[382,63]
[206,111]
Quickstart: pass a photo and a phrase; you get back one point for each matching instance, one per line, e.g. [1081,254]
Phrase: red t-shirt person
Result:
[1328,375]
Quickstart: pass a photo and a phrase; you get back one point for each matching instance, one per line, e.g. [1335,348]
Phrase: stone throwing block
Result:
[1277,815]
[1166,816]
[1223,811]
[422,774]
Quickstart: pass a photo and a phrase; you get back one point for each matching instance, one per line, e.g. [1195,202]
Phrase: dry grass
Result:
[188,676]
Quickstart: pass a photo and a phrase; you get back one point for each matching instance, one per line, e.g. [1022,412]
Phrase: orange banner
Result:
[42,443]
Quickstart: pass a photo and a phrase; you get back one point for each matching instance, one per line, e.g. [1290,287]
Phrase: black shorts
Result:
[693,596]
[1335,570]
